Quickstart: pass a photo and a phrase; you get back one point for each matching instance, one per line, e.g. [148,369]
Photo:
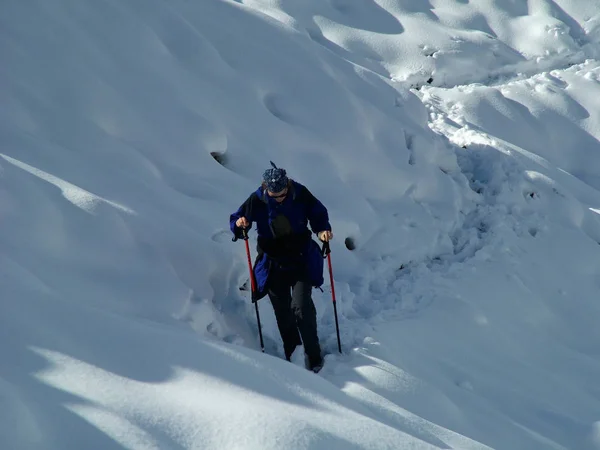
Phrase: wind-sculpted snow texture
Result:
[456,145]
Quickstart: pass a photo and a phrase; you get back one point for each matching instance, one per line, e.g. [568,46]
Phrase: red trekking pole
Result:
[327,252]
[253,286]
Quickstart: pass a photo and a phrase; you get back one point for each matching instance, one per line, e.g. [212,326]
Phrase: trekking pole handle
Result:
[326,250]
[244,235]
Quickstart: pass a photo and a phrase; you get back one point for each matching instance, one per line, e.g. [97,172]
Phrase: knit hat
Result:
[275,178]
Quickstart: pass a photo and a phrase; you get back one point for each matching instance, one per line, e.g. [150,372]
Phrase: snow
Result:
[456,145]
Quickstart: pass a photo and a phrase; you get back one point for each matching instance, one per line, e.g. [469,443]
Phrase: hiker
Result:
[289,261]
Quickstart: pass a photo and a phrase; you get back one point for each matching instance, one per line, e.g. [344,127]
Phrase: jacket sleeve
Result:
[316,213]
[245,210]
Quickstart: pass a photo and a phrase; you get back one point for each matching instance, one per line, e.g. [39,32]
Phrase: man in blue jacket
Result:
[289,261]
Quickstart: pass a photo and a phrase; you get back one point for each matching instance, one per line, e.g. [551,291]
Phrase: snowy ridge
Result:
[468,303]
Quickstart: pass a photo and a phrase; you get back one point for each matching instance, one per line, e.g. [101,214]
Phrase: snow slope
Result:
[456,145]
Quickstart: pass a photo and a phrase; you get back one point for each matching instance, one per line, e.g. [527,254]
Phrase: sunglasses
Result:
[283,194]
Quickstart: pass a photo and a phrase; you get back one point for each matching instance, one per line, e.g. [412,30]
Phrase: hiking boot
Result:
[315,364]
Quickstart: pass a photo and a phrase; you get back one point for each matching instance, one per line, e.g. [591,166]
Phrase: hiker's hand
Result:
[242,222]
[325,236]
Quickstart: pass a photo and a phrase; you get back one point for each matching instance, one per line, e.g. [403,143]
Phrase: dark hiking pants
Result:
[290,294]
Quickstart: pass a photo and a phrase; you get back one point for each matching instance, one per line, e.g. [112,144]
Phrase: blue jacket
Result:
[283,239]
